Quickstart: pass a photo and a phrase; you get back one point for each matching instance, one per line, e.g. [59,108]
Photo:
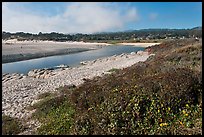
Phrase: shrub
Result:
[11,126]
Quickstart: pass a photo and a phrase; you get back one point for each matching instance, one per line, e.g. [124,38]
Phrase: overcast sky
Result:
[87,17]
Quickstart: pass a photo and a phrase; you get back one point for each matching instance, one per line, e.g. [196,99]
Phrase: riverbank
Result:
[13,50]
[20,91]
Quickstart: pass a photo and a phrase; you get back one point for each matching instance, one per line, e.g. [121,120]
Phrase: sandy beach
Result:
[13,50]
[25,47]
[140,44]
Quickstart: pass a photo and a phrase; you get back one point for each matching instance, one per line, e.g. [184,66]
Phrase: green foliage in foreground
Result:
[11,126]
[154,97]
[58,120]
[113,70]
[55,113]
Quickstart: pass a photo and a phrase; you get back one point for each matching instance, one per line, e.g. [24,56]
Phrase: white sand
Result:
[10,47]
[140,44]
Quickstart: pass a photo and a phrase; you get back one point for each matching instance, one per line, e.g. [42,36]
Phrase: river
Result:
[70,59]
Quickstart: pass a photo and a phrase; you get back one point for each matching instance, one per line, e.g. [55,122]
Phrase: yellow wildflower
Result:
[186,114]
[163,124]
[187,105]
[169,108]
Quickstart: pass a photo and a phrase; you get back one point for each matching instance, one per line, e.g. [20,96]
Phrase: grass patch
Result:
[11,126]
[55,114]
[56,121]
[113,42]
[113,70]
[44,97]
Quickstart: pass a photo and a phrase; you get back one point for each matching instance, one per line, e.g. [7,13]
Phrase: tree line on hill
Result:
[143,34]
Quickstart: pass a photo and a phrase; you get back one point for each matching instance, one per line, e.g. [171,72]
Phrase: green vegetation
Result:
[55,114]
[162,95]
[11,126]
[143,35]
[58,120]
[113,70]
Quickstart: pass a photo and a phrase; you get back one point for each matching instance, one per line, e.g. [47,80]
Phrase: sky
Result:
[96,17]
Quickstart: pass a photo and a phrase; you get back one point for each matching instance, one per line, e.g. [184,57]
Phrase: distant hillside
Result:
[197,28]
[143,34]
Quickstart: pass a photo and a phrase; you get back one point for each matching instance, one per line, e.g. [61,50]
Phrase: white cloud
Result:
[132,15]
[76,18]
[153,16]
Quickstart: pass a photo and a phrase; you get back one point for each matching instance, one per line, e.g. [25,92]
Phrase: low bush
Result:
[11,126]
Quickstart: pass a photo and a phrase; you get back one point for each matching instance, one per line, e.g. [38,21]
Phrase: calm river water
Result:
[70,59]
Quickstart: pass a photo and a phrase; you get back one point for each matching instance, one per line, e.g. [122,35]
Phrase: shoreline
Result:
[13,50]
[22,57]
